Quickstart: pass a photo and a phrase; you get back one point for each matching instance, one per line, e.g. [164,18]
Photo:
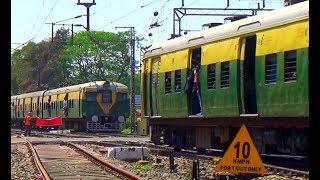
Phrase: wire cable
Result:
[141,7]
[39,29]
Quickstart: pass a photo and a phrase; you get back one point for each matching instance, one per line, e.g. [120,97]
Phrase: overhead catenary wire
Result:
[39,28]
[37,18]
[139,8]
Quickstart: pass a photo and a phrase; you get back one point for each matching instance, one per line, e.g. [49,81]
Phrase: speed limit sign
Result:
[241,156]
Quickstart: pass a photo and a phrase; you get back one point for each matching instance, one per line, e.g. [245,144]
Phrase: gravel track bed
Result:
[183,168]
[21,163]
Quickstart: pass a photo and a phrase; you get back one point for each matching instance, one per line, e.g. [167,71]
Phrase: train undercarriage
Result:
[76,124]
[270,135]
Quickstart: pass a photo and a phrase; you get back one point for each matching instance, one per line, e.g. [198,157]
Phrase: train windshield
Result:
[106,96]
[122,96]
[91,96]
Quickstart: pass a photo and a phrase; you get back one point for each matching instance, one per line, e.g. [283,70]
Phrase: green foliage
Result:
[89,56]
[146,166]
[125,127]
[126,131]
[138,83]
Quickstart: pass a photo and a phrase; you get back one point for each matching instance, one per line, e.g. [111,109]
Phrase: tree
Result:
[96,56]
[91,56]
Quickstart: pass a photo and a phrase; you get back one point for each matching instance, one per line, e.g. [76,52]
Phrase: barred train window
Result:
[177,80]
[290,66]
[211,75]
[271,69]
[167,82]
[106,96]
[225,82]
[91,96]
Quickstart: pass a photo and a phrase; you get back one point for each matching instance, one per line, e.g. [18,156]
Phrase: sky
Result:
[28,17]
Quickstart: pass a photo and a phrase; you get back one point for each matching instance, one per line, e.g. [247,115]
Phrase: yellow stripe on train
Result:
[283,38]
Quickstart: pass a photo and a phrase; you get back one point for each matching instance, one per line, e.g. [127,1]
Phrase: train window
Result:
[225,81]
[211,76]
[121,96]
[167,82]
[91,96]
[271,69]
[290,66]
[106,96]
[177,80]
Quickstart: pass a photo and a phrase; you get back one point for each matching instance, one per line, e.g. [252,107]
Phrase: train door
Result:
[249,81]
[23,108]
[193,95]
[38,107]
[154,98]
[18,108]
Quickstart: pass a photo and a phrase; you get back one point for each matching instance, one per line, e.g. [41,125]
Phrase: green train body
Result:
[253,71]
[94,106]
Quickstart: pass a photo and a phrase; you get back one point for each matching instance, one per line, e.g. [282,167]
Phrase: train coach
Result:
[253,71]
[94,106]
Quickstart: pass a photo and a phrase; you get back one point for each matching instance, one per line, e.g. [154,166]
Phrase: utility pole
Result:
[52,24]
[72,31]
[87,5]
[132,80]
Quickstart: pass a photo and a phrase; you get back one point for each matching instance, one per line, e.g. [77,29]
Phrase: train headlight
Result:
[94,118]
[120,119]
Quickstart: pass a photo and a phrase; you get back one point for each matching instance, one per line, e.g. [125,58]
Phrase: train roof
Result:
[31,94]
[264,20]
[91,85]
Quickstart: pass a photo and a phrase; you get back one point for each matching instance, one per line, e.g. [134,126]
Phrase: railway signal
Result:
[241,156]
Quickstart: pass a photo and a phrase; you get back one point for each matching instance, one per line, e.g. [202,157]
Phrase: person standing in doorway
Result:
[65,107]
[196,86]
[27,124]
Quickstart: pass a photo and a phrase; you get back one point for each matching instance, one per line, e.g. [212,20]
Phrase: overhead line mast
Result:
[132,74]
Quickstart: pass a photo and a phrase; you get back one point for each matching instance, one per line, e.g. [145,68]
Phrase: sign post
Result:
[241,156]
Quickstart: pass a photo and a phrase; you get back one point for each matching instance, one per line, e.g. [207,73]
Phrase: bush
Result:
[125,127]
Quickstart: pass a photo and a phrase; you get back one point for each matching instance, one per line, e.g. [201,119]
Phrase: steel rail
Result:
[102,162]
[304,173]
[38,162]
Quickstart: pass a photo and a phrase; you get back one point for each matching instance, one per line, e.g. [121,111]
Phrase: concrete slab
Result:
[132,153]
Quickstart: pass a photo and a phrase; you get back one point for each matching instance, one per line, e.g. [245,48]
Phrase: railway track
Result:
[69,161]
[272,169]
[274,165]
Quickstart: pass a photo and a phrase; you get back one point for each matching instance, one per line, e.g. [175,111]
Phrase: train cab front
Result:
[103,109]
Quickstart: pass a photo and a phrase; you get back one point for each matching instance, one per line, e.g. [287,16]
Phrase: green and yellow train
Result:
[94,106]
[253,71]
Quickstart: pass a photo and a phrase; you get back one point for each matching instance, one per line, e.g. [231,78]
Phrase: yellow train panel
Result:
[283,38]
[220,51]
[147,66]
[174,61]
[73,95]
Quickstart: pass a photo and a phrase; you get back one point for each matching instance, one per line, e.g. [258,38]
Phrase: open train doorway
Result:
[193,83]
[250,98]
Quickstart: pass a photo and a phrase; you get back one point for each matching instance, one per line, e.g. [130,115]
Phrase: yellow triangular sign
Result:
[241,156]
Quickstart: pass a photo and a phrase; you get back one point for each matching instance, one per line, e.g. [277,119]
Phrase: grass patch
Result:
[126,131]
[146,166]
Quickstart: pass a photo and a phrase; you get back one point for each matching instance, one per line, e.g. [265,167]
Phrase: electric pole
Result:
[132,81]
[87,5]
[52,24]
